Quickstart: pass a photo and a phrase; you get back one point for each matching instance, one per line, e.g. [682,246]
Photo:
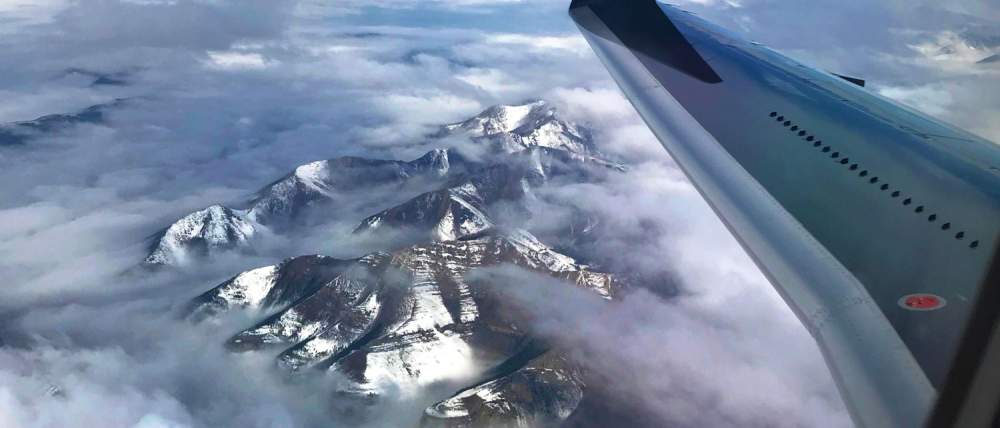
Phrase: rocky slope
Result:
[545,391]
[401,322]
[463,207]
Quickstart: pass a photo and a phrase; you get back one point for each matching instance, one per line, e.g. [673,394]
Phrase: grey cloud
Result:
[683,363]
[170,24]
[111,373]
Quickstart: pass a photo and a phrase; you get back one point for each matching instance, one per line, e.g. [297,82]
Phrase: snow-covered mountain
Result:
[322,181]
[463,207]
[457,192]
[201,233]
[446,214]
[543,392]
[276,207]
[513,128]
[409,319]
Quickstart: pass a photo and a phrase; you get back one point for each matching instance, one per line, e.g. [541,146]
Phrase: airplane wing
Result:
[878,225]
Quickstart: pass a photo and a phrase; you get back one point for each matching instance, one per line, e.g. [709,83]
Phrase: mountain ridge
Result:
[450,178]
[20,133]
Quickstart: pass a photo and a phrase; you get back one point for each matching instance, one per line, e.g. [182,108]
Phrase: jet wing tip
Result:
[644,27]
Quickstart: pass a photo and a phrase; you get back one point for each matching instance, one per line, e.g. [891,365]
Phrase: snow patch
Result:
[527,244]
[289,327]
[214,227]
[250,288]
[444,356]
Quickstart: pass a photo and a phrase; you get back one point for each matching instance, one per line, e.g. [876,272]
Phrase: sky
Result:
[223,97]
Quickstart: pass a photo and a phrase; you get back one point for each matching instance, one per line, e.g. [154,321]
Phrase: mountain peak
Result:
[314,171]
[502,118]
[438,160]
[509,118]
[200,232]
[515,128]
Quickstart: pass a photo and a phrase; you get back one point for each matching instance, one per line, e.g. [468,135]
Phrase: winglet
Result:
[854,80]
[644,28]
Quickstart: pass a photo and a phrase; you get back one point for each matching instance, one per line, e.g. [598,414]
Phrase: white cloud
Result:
[17,14]
[426,110]
[931,99]
[234,60]
[575,43]
[953,53]
[494,81]
[354,6]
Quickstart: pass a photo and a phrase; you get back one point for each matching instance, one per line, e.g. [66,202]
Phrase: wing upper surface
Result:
[908,206]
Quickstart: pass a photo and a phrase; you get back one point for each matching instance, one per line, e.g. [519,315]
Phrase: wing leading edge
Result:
[877,224]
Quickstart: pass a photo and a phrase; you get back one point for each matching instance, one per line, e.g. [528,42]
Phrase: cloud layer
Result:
[223,97]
